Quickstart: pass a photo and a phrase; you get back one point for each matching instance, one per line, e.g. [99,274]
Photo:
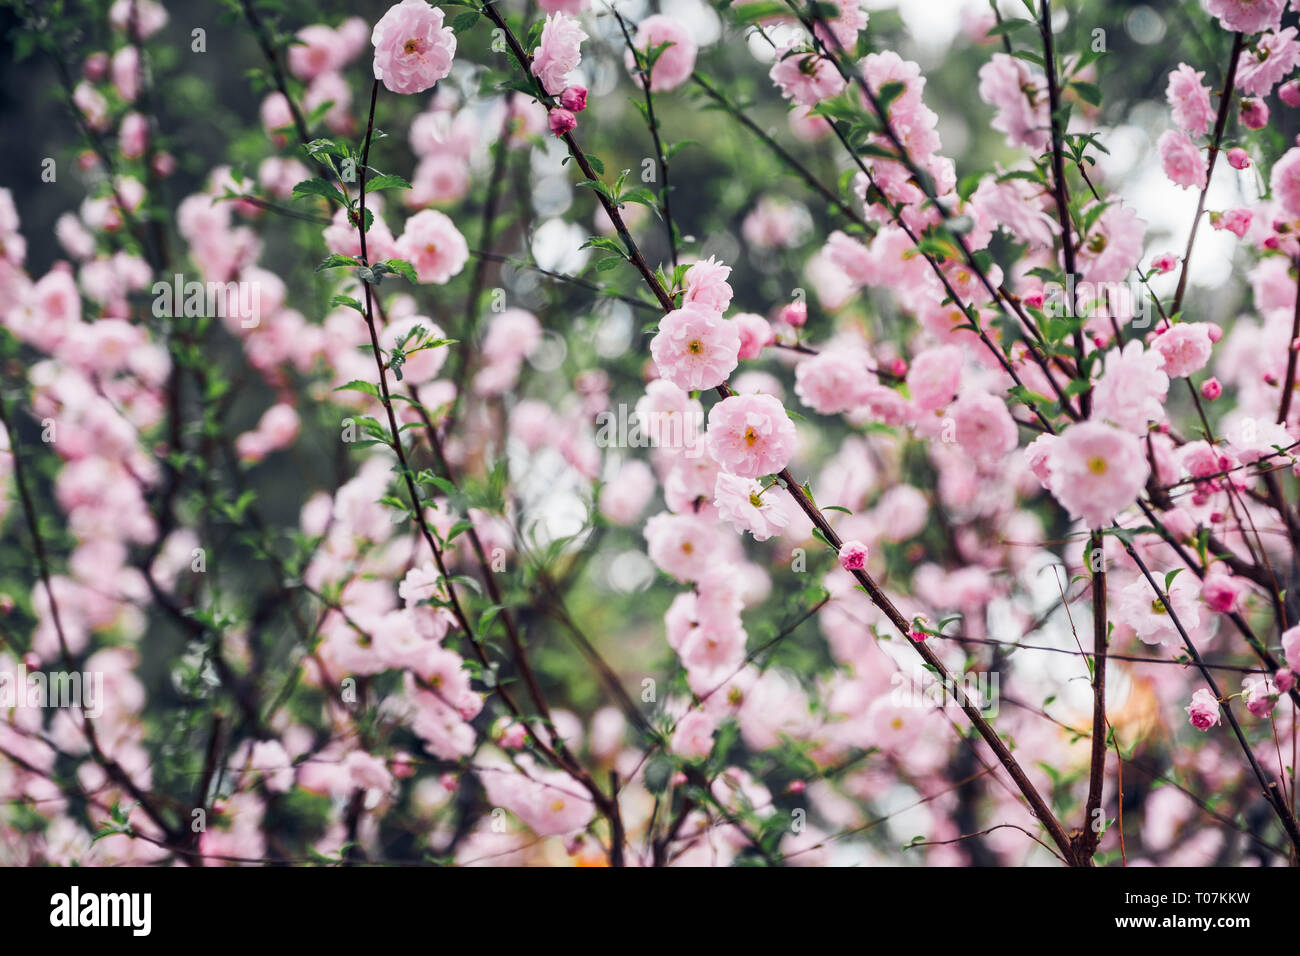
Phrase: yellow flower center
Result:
[751,436]
[1097,465]
[695,347]
[411,46]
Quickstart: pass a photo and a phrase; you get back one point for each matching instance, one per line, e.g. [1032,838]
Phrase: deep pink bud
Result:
[853,555]
[1211,389]
[1290,92]
[574,98]
[562,121]
[1254,113]
[795,314]
[1284,679]
[1238,158]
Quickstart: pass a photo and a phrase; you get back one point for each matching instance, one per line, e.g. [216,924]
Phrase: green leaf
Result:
[356,385]
[464,21]
[319,187]
[403,269]
[1090,93]
[386,181]
[337,261]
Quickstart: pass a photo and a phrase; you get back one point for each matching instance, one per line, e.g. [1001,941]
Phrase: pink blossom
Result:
[1164,263]
[1182,160]
[1253,113]
[750,435]
[1189,99]
[693,737]
[1132,390]
[558,53]
[623,498]
[1020,97]
[561,121]
[1248,16]
[1236,221]
[133,135]
[1096,471]
[1113,246]
[1222,592]
[574,98]
[1203,712]
[706,285]
[1289,92]
[695,348]
[682,545]
[1143,610]
[321,51]
[676,62]
[142,18]
[743,504]
[935,377]
[1284,182]
[1291,647]
[1238,158]
[805,78]
[832,381]
[853,555]
[1260,695]
[1261,69]
[432,244]
[755,334]
[985,429]
[1285,679]
[1186,348]
[413,50]
[1211,389]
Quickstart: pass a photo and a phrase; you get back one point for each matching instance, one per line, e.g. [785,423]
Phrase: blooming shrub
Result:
[592,434]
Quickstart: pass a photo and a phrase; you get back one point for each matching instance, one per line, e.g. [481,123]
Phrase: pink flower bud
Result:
[574,98]
[561,121]
[1164,263]
[1238,158]
[795,314]
[1290,92]
[96,67]
[853,555]
[1284,679]
[1211,389]
[1254,113]
[898,368]
[797,786]
[1214,330]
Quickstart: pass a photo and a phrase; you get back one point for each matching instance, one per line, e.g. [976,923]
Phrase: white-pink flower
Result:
[558,53]
[1248,16]
[1189,99]
[1275,55]
[1096,471]
[743,504]
[706,285]
[413,50]
[1186,348]
[984,429]
[695,347]
[1142,609]
[1182,160]
[750,435]
[832,381]
[1132,390]
[1020,96]
[675,63]
[805,78]
[1284,182]
[434,246]
[1203,711]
